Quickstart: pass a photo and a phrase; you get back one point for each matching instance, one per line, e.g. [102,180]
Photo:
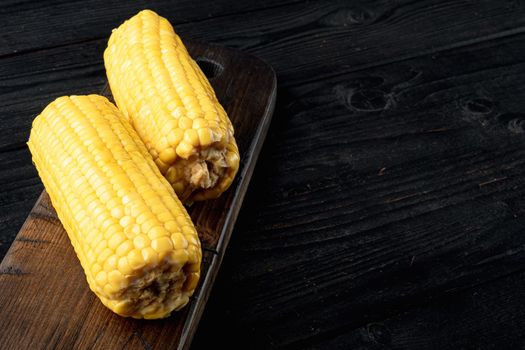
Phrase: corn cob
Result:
[134,239]
[171,104]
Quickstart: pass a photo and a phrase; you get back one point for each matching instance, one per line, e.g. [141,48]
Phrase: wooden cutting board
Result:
[45,302]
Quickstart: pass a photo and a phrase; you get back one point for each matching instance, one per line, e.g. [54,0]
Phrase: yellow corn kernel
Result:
[108,193]
[191,137]
[162,245]
[205,136]
[185,123]
[168,156]
[148,254]
[124,267]
[185,149]
[160,88]
[179,240]
[141,241]
[191,281]
[116,240]
[124,248]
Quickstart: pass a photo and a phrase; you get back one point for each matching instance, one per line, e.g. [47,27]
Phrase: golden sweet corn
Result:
[137,244]
[173,107]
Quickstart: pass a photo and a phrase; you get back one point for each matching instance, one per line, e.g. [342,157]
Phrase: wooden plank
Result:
[488,316]
[382,29]
[312,40]
[379,191]
[28,27]
[29,82]
[40,277]
[20,188]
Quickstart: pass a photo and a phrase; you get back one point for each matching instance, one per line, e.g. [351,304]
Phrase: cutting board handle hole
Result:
[210,68]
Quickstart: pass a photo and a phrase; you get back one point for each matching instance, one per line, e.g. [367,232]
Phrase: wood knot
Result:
[514,122]
[363,94]
[344,17]
[368,100]
[379,333]
[12,271]
[478,106]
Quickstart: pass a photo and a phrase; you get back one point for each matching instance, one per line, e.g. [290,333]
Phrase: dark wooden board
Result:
[377,192]
[487,316]
[83,21]
[45,301]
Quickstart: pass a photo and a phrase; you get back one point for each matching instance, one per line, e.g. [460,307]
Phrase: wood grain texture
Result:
[381,190]
[41,279]
[483,317]
[319,39]
[83,21]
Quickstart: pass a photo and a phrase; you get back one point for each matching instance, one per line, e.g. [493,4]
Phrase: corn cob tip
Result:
[171,104]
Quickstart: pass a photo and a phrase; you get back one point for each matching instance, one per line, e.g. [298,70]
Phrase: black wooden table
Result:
[387,208]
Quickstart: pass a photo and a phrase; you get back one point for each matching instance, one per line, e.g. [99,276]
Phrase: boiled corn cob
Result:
[137,244]
[173,107]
